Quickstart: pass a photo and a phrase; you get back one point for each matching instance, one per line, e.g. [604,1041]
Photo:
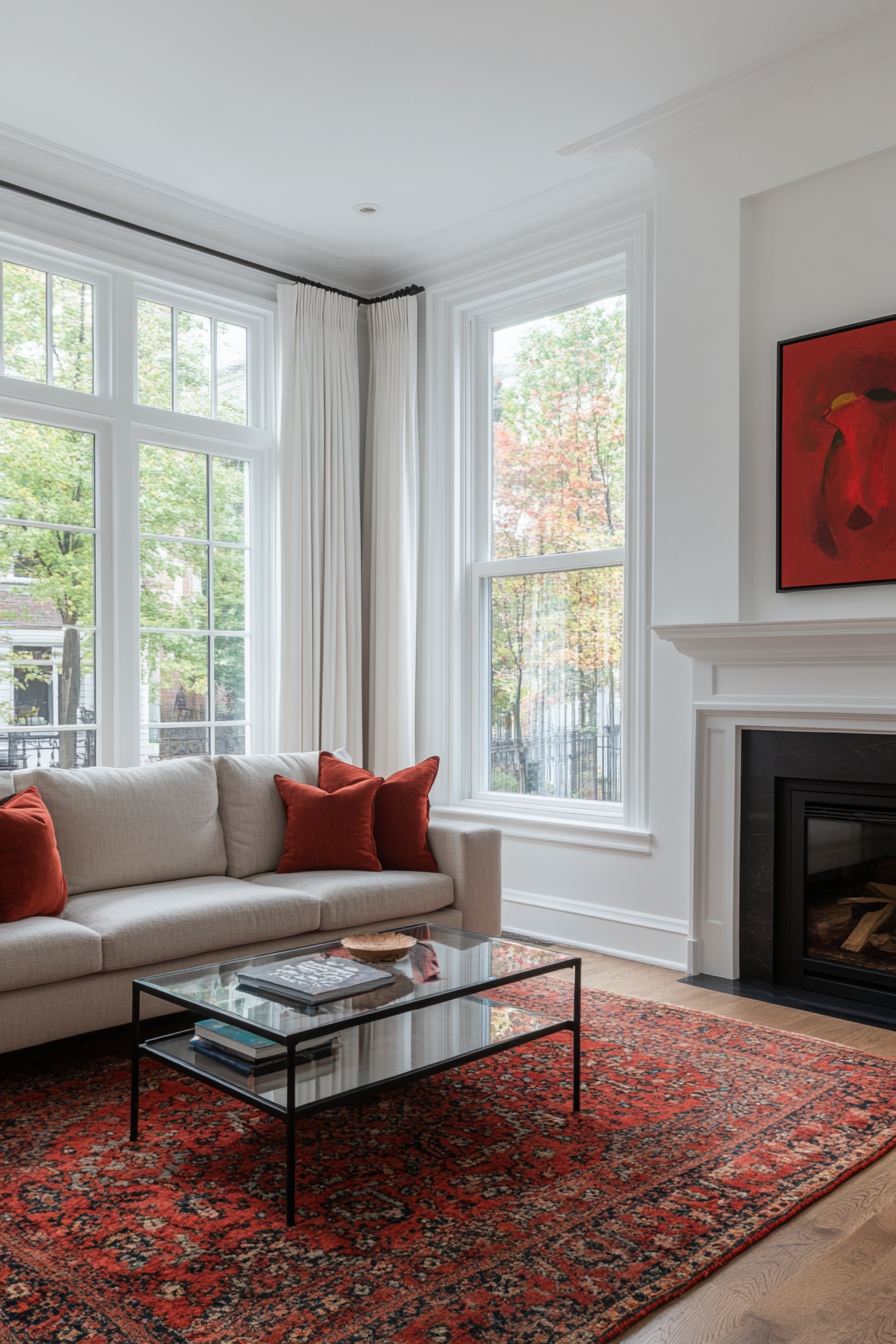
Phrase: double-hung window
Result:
[549,599]
[136,448]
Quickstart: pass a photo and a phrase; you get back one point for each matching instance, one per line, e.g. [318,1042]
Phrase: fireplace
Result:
[835,888]
[810,699]
[817,826]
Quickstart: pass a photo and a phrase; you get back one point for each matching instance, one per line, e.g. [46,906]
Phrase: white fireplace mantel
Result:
[843,641]
[803,676]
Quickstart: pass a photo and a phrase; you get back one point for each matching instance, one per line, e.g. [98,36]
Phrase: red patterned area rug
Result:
[469,1207]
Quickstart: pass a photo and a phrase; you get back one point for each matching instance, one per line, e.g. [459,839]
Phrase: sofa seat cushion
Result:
[187,918]
[348,897]
[43,949]
[145,823]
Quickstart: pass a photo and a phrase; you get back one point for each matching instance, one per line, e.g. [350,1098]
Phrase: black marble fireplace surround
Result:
[767,755]
[860,758]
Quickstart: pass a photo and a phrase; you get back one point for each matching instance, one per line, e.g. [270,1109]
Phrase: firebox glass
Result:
[850,885]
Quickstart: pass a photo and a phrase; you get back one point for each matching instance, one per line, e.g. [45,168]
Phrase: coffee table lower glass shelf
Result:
[387,1046]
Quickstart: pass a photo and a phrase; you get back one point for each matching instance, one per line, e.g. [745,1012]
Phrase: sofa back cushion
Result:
[252,811]
[145,823]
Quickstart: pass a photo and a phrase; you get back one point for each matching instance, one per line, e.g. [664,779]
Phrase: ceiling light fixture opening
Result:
[367,208]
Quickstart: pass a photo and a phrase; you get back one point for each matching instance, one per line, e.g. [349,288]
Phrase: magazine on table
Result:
[317,979]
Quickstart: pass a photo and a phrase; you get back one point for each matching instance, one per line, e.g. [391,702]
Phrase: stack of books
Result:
[314,980]
[249,1055]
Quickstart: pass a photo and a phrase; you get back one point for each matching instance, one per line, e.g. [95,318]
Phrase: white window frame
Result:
[453,689]
[56,262]
[206,446]
[120,424]
[104,573]
[177,297]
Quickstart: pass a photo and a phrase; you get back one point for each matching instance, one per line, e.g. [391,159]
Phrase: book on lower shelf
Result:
[237,1040]
[317,979]
[323,1048]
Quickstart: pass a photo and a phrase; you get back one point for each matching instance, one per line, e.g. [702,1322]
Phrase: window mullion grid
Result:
[175,400]
[171,539]
[110,321]
[555,563]
[213,379]
[210,570]
[84,632]
[48,325]
[48,527]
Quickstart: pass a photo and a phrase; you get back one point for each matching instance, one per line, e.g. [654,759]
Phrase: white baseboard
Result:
[593,947]
[632,935]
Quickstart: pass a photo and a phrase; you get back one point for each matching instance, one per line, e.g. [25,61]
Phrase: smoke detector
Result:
[367,208]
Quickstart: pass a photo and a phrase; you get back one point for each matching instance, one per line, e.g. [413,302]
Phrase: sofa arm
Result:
[471,856]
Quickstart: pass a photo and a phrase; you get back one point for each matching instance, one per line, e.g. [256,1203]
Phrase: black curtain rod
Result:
[208,251]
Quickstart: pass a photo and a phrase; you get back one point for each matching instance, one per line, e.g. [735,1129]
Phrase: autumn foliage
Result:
[559,478]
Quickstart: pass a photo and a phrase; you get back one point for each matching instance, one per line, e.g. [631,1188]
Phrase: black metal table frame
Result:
[295,1039]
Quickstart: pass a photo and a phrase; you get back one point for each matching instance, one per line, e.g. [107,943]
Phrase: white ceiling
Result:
[292,112]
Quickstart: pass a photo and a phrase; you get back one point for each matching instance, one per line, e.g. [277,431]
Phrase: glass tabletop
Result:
[443,963]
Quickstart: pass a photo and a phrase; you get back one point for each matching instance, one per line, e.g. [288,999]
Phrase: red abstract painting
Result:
[837,457]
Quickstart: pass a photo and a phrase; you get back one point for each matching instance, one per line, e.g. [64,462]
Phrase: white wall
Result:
[772,224]
[630,904]
[702,184]
[816,254]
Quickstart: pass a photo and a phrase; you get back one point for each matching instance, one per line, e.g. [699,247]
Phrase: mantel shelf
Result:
[838,641]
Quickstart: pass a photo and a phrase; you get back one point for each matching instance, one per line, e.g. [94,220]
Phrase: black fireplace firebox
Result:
[816,828]
[835,889]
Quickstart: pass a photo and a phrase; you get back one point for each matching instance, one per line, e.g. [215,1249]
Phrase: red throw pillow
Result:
[401,819]
[325,830]
[31,878]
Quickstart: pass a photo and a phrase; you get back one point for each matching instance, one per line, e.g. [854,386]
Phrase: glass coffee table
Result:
[434,1017]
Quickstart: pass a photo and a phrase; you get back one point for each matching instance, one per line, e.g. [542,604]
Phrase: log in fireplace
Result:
[835,889]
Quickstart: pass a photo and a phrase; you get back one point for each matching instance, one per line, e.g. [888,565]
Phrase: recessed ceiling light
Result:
[367,208]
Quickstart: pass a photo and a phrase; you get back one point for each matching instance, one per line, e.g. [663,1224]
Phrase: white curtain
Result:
[390,484]
[320,521]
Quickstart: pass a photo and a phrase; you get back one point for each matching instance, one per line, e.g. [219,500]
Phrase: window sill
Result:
[543,826]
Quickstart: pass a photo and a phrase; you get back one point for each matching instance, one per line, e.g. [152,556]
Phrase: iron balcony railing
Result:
[571,763]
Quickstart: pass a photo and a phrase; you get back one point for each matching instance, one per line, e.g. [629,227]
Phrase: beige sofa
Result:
[175,865]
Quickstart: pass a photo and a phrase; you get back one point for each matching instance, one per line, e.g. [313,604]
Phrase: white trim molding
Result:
[655,939]
[842,49]
[837,641]
[559,829]
[120,424]
[795,676]
[601,261]
[42,165]
[715,888]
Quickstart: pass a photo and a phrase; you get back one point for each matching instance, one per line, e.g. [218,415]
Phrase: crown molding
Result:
[871,640]
[842,49]
[574,207]
[57,171]
[620,177]
[548,225]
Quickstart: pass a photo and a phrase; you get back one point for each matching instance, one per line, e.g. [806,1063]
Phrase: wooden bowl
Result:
[378,946]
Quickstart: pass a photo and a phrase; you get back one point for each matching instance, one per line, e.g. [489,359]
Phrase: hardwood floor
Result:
[826,1277]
